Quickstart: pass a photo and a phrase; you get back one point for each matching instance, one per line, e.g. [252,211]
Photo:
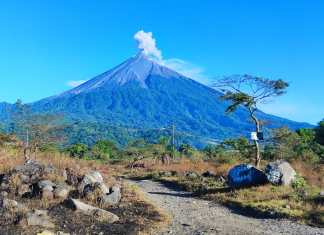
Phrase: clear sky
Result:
[47,46]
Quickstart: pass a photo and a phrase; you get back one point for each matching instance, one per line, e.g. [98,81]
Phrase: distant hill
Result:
[144,95]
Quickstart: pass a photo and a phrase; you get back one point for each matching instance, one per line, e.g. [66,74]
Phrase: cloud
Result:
[147,43]
[186,68]
[75,83]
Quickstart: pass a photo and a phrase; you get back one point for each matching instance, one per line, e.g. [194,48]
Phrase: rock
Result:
[3,194]
[12,205]
[39,218]
[23,189]
[30,168]
[64,175]
[62,233]
[47,195]
[8,204]
[280,172]
[208,174]
[71,177]
[93,192]
[244,175]
[99,214]
[90,178]
[46,232]
[49,169]
[61,191]
[165,173]
[192,175]
[24,178]
[113,198]
[4,186]
[104,189]
[321,193]
[46,185]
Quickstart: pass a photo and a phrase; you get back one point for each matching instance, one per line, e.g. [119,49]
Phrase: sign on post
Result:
[257,136]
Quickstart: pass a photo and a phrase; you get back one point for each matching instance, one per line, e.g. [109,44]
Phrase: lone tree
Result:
[250,91]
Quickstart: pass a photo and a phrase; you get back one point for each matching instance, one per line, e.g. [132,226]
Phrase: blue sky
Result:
[44,45]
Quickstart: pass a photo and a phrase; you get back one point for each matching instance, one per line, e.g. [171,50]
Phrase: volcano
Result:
[144,95]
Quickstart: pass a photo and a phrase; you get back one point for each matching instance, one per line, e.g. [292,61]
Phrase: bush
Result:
[78,150]
[299,183]
[104,150]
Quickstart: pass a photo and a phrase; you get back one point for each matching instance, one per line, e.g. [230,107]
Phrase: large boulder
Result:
[113,198]
[245,175]
[91,178]
[97,213]
[62,191]
[46,185]
[280,173]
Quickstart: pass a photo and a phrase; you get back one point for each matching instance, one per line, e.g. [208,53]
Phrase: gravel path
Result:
[196,217]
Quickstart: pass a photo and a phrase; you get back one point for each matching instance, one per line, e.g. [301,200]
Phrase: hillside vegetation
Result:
[202,171]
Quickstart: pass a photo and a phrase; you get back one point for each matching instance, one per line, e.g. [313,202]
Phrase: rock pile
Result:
[34,181]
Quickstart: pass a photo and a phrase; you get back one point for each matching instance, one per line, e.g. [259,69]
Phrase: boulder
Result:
[192,175]
[12,206]
[46,185]
[39,218]
[103,187]
[208,174]
[280,172]
[62,191]
[99,214]
[93,192]
[90,178]
[71,176]
[245,175]
[113,198]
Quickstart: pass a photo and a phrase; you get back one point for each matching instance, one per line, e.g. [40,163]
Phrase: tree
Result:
[104,149]
[250,91]
[240,144]
[78,150]
[186,149]
[319,133]
[35,130]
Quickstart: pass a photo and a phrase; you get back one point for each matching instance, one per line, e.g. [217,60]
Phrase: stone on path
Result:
[99,214]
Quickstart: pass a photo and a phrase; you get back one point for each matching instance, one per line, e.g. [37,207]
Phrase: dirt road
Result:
[194,216]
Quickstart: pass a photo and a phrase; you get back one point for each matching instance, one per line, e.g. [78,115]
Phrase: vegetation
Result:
[302,148]
[249,91]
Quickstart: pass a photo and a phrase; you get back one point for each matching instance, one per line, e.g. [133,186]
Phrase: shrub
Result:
[78,150]
[299,183]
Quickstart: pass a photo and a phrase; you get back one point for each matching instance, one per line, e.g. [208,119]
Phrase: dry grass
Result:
[136,213]
[314,175]
[186,165]
[9,159]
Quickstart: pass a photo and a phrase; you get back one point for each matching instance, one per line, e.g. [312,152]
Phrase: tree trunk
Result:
[257,154]
[256,143]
